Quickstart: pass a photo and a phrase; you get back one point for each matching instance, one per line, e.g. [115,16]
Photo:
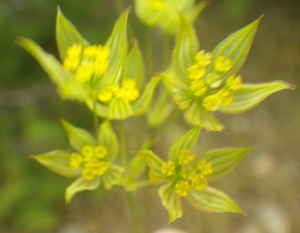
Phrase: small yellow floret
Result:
[168,168]
[182,188]
[205,168]
[213,80]
[215,101]
[101,168]
[100,152]
[73,57]
[222,64]
[234,83]
[105,95]
[199,182]
[89,173]
[185,157]
[75,161]
[196,72]
[202,58]
[198,87]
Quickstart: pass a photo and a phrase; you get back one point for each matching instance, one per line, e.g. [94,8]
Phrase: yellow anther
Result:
[168,168]
[199,182]
[202,58]
[234,83]
[182,188]
[198,87]
[205,168]
[222,64]
[100,152]
[75,161]
[185,157]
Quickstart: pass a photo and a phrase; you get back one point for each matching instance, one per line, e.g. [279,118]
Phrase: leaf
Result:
[155,163]
[117,43]
[58,162]
[161,108]
[186,47]
[135,66]
[250,95]
[119,109]
[80,185]
[224,160]
[142,104]
[212,200]
[78,137]
[236,47]
[197,115]
[108,139]
[112,176]
[67,86]
[171,201]
[185,142]
[66,35]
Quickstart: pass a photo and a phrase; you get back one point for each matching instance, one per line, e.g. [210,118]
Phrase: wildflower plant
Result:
[109,79]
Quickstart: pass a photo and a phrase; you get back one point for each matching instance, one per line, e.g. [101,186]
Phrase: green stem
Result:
[135,213]
[153,137]
[122,145]
[149,55]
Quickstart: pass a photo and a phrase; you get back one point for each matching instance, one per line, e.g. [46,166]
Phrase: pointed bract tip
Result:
[58,9]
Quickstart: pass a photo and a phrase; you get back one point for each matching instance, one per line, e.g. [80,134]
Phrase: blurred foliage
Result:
[32,198]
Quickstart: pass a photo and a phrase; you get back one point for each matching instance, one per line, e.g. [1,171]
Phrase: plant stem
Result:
[122,145]
[153,137]
[135,214]
[149,54]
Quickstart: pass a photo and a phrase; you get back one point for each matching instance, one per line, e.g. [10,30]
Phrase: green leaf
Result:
[186,47]
[224,160]
[108,139]
[197,115]
[161,109]
[119,109]
[58,162]
[112,176]
[155,163]
[185,142]
[171,201]
[142,104]
[78,137]
[117,43]
[80,185]
[250,95]
[67,86]
[66,35]
[236,47]
[212,200]
[135,66]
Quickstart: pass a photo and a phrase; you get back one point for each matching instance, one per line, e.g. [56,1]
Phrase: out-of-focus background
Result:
[266,184]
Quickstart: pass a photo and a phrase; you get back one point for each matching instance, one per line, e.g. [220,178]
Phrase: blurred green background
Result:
[266,184]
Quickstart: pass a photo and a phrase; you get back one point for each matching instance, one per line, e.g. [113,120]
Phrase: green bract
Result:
[105,77]
[202,82]
[188,176]
[92,161]
[166,13]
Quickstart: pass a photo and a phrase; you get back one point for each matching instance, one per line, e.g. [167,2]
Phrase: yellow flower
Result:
[168,168]
[182,188]
[222,64]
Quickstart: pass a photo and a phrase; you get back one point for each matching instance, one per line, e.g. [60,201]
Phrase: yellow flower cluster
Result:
[157,5]
[202,82]
[224,96]
[91,160]
[126,91]
[185,179]
[87,63]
